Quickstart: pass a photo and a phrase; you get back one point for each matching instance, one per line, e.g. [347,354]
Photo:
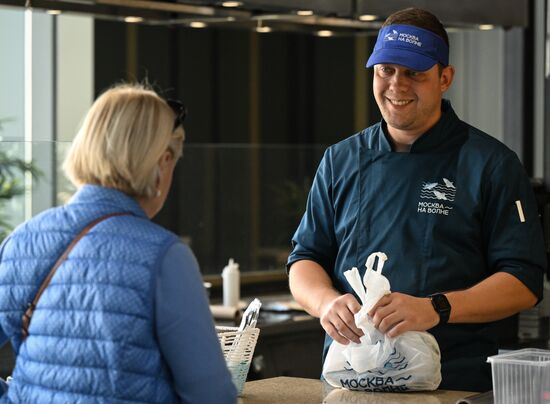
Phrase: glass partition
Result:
[227,201]
[240,201]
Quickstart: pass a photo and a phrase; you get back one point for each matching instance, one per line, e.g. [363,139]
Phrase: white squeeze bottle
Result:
[231,284]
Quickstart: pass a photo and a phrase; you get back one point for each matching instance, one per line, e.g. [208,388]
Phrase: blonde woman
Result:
[124,317]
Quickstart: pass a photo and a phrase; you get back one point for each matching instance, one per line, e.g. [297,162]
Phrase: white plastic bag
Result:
[380,363]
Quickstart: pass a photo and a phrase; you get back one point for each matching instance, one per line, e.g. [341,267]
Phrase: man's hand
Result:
[397,313]
[338,321]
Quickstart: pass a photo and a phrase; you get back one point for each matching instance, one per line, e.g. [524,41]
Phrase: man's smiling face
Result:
[410,101]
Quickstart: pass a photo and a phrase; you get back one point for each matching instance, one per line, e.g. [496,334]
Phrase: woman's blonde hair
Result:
[123,136]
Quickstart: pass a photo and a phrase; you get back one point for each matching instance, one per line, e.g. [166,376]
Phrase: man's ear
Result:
[447,76]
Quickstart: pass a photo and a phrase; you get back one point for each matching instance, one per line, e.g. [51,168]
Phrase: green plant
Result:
[12,173]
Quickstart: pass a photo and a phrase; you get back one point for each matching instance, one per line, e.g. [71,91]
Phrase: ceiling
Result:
[336,15]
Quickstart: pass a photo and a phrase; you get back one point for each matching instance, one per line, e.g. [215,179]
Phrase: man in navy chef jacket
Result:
[451,207]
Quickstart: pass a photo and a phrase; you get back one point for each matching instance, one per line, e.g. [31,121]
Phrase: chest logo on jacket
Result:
[435,197]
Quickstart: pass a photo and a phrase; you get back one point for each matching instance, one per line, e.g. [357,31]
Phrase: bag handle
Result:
[382,258]
[32,306]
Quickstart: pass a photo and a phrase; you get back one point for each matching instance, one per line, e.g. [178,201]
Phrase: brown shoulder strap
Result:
[30,309]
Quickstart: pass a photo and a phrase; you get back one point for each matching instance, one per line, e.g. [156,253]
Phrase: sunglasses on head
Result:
[180,111]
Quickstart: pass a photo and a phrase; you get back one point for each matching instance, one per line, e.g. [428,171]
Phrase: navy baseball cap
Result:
[409,46]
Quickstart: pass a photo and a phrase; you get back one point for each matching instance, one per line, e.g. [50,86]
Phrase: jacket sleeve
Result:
[186,333]
[315,239]
[511,225]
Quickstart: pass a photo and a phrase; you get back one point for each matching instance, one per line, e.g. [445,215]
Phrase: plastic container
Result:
[231,284]
[521,377]
[238,349]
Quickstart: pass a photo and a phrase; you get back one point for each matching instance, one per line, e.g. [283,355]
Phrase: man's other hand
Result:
[397,313]
[338,321]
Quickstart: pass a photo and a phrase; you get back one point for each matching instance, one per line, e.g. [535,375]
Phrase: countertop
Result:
[279,390]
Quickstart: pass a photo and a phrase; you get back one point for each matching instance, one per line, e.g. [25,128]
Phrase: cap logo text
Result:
[403,37]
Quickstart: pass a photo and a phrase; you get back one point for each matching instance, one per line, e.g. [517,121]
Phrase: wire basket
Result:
[238,348]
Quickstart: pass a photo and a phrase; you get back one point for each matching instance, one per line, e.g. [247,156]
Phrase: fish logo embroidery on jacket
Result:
[438,195]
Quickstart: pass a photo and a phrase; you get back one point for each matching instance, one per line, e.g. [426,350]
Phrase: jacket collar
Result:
[110,198]
[435,137]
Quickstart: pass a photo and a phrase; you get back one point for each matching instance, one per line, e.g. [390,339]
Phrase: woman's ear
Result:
[165,159]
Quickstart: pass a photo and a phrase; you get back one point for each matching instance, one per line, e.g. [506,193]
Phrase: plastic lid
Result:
[231,266]
[528,356]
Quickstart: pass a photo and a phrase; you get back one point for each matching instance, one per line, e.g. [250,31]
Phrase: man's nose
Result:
[399,81]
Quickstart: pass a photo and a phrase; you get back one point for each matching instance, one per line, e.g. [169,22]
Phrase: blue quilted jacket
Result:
[92,334]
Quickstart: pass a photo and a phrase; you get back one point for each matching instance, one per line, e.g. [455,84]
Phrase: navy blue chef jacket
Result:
[446,216]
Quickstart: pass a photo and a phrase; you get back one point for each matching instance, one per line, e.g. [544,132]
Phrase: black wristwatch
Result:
[441,306]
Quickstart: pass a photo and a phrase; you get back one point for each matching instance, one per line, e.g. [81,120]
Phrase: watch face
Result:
[441,303]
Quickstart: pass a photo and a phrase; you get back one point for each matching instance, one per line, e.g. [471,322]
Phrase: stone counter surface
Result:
[294,390]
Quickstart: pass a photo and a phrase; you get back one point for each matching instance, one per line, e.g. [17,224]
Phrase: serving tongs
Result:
[250,315]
